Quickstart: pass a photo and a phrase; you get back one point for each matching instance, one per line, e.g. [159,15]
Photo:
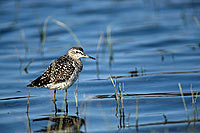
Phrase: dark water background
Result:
[150,45]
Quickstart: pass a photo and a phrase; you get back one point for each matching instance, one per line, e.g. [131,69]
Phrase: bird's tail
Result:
[39,82]
[35,83]
[30,85]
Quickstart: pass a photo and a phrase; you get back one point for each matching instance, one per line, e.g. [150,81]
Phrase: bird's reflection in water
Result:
[60,110]
[61,122]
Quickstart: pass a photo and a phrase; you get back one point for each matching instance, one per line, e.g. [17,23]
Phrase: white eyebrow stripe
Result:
[75,50]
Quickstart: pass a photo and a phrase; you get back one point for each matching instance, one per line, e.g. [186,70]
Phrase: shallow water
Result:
[149,46]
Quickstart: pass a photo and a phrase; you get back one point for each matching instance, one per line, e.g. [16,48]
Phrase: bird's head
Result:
[77,53]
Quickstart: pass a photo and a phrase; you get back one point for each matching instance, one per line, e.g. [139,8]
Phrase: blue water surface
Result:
[150,46]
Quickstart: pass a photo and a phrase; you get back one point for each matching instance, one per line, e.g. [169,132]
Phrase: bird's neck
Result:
[77,61]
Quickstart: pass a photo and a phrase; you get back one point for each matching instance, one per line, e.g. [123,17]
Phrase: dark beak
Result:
[87,56]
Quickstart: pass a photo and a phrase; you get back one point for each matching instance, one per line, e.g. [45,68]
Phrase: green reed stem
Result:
[184,103]
[69,30]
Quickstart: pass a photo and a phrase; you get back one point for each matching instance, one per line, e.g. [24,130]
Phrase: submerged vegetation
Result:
[125,118]
[144,65]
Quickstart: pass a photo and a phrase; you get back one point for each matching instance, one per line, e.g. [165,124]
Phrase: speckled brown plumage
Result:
[59,71]
[62,72]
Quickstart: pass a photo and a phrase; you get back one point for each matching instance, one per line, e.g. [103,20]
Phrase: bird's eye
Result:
[77,52]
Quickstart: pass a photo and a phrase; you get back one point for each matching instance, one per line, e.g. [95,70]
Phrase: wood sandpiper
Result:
[62,72]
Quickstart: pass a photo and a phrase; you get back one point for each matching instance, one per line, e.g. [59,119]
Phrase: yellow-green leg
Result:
[65,95]
[66,102]
[54,96]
